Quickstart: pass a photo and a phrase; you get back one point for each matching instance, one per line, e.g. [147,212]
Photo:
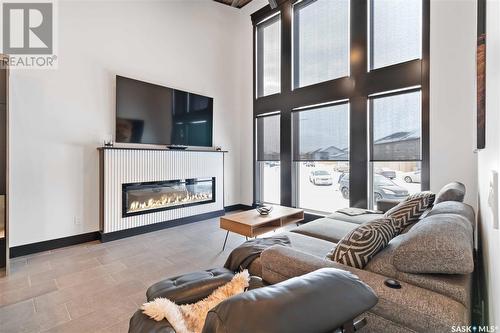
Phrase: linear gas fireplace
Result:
[150,197]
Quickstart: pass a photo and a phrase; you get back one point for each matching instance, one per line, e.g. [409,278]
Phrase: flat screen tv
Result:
[152,114]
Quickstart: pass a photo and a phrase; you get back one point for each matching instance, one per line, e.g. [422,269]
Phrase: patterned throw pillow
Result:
[360,245]
[426,194]
[410,210]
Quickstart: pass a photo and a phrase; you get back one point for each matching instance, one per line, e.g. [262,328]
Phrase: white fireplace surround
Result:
[123,166]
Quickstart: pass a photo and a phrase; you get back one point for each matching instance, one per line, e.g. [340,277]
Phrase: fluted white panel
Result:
[134,166]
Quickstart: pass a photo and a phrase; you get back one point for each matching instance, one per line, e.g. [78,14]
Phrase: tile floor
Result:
[96,287]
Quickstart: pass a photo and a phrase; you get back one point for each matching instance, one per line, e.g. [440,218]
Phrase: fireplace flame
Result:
[169,200]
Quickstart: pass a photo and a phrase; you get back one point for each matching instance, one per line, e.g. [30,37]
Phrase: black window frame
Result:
[298,5]
[357,88]
[296,131]
[258,180]
[371,140]
[259,67]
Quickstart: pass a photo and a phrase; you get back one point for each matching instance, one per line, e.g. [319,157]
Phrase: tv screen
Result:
[153,114]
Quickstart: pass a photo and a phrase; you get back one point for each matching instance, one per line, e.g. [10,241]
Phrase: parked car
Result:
[386,172]
[412,177]
[342,167]
[321,177]
[383,188]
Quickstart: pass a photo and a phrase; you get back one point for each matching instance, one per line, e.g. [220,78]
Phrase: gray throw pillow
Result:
[361,244]
[454,191]
[440,244]
[410,210]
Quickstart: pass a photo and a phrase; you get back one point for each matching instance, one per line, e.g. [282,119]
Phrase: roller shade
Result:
[269,57]
[321,41]
[396,127]
[268,138]
[321,134]
[396,31]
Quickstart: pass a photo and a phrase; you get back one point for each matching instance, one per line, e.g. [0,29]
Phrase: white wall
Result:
[489,160]
[246,81]
[59,117]
[453,95]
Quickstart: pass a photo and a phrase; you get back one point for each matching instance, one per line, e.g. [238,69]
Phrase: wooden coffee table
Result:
[251,224]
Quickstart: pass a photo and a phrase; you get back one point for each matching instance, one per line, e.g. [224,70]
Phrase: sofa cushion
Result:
[455,286]
[454,207]
[314,246]
[441,244]
[327,229]
[412,308]
[359,219]
[409,211]
[361,244]
[384,205]
[454,191]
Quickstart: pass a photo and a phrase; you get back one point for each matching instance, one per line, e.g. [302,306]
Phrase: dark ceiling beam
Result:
[234,3]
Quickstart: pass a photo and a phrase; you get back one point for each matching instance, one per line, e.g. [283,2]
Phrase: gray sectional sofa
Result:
[432,259]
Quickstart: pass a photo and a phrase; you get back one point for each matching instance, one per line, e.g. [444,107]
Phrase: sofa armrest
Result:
[190,288]
[386,204]
[141,323]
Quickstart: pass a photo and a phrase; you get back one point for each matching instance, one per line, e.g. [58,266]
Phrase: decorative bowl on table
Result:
[264,210]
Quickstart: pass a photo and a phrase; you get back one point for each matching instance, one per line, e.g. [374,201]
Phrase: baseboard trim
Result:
[22,250]
[111,236]
[2,253]
[233,208]
[479,310]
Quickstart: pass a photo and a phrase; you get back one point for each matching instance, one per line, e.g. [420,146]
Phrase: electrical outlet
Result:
[77,220]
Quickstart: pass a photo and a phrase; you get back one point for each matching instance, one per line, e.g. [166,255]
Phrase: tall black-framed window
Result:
[395,145]
[320,144]
[267,166]
[357,52]
[268,58]
[320,41]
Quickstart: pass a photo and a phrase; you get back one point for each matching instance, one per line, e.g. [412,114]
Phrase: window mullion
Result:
[358,180]
[286,117]
[286,49]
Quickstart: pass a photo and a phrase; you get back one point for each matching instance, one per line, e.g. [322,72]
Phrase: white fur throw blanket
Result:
[190,318]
